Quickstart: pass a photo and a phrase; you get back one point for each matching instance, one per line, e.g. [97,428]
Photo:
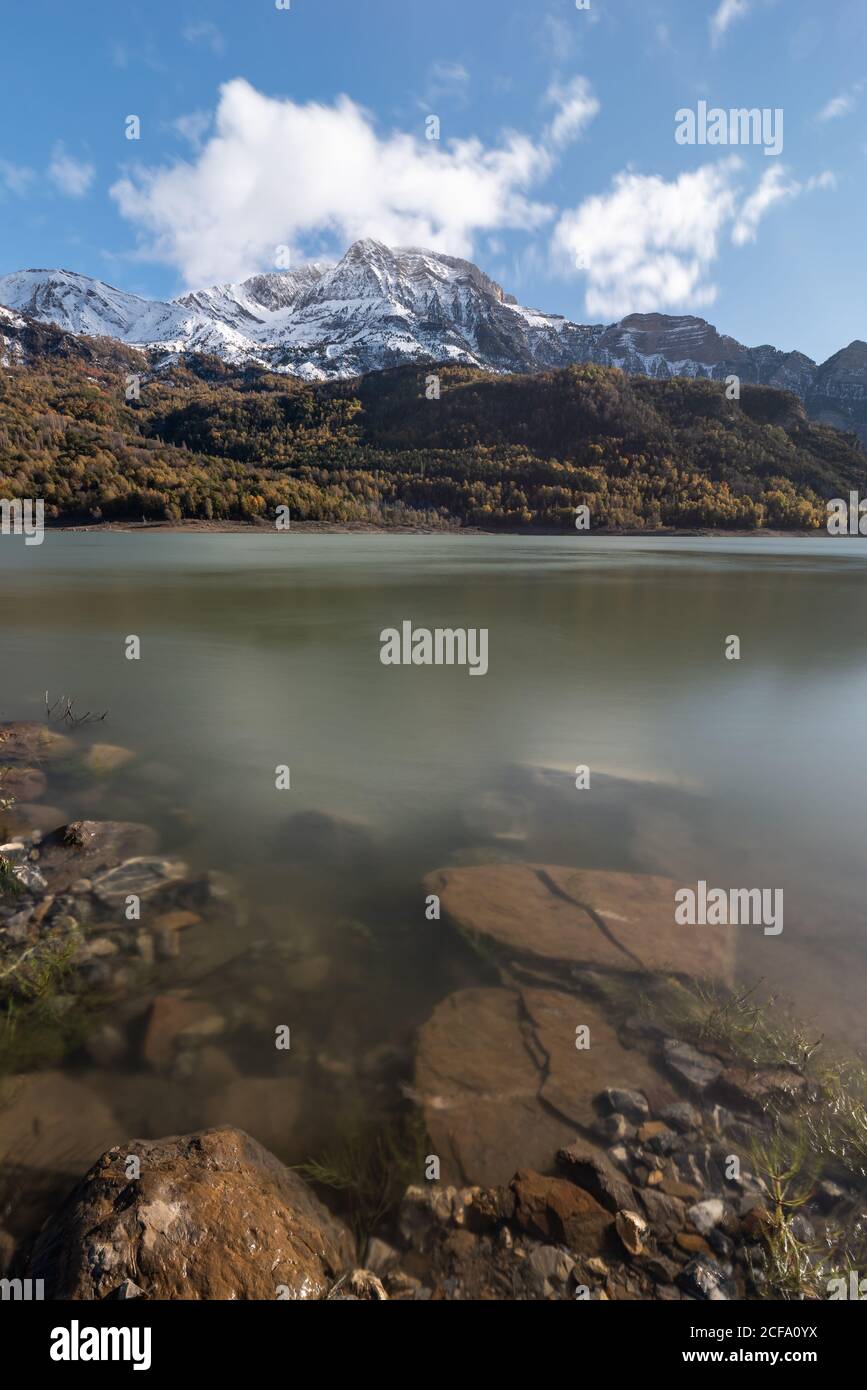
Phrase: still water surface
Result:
[263,650]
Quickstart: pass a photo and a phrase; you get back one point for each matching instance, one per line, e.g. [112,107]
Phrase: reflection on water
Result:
[260,651]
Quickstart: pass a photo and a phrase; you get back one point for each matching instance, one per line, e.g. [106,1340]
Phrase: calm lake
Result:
[260,651]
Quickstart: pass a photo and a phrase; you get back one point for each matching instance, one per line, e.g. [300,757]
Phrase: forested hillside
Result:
[206,441]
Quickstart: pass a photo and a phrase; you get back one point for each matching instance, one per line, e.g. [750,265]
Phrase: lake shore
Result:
[363,528]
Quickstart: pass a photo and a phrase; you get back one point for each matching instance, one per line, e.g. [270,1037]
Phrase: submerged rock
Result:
[22,783]
[86,848]
[574,1077]
[213,1216]
[142,877]
[26,741]
[311,838]
[561,918]
[479,1087]
[103,758]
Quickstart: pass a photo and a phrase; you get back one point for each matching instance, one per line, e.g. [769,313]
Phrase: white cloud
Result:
[842,105]
[727,12]
[275,172]
[204,34]
[577,108]
[15,178]
[773,187]
[651,245]
[70,176]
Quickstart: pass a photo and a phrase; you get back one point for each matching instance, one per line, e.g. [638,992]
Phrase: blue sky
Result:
[270,136]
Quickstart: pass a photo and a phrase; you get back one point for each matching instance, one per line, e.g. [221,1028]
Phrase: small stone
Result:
[632,1230]
[721,1244]
[685,1191]
[650,1131]
[696,1068]
[30,877]
[615,1128]
[757,1222]
[802,1229]
[632,1104]
[550,1265]
[703,1279]
[128,1289]
[705,1216]
[654,1178]
[81,886]
[692,1243]
[360,1285]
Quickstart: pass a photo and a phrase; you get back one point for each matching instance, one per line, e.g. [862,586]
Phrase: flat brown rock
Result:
[479,1085]
[574,1077]
[594,918]
[212,1216]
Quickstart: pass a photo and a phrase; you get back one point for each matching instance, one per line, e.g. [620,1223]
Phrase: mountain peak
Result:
[382,306]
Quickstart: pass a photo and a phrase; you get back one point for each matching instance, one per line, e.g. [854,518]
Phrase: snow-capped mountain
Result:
[380,307]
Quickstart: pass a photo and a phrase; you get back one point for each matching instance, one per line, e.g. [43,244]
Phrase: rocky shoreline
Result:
[596,1124]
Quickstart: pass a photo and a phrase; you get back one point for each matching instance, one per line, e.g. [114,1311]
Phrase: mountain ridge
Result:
[381,307]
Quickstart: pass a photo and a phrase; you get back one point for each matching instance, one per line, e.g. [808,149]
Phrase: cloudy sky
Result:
[271,135]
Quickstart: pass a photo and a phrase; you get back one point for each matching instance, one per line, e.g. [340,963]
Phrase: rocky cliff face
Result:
[380,307]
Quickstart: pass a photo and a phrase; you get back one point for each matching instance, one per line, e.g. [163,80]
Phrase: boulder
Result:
[86,848]
[23,741]
[213,1216]
[479,1085]
[562,918]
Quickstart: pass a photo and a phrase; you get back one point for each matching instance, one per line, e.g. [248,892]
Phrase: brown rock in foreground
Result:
[557,1211]
[479,1086]
[590,917]
[212,1216]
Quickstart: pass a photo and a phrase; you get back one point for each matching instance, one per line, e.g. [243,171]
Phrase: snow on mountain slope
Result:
[381,307]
